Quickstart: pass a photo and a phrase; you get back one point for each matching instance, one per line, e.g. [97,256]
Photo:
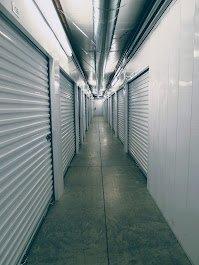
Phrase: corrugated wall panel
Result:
[121,116]
[138,119]
[67,120]
[26,181]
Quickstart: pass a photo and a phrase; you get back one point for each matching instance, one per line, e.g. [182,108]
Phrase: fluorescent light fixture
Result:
[80,30]
[92,82]
[114,81]
[50,15]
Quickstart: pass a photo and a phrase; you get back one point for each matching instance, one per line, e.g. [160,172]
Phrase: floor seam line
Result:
[105,219]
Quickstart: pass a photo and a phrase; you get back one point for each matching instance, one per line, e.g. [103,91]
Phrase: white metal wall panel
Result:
[121,115]
[26,182]
[67,121]
[138,119]
[114,112]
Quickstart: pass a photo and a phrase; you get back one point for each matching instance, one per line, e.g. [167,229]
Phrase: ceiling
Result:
[114,22]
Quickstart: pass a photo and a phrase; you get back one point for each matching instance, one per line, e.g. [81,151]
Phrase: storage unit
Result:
[79,111]
[114,111]
[26,181]
[89,111]
[107,102]
[110,111]
[67,120]
[86,111]
[138,119]
[105,109]
[121,116]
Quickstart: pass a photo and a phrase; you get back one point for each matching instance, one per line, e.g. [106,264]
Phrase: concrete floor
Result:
[106,215]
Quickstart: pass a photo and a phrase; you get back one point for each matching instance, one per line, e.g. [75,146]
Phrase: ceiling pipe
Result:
[64,23]
[105,13]
[155,9]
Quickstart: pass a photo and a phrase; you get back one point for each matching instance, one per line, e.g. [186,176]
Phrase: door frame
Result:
[53,97]
[131,79]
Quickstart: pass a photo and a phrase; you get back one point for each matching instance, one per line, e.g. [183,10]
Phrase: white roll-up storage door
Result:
[26,182]
[86,111]
[83,121]
[106,108]
[79,111]
[67,120]
[85,101]
[108,101]
[114,100]
[121,116]
[110,111]
[89,111]
[138,119]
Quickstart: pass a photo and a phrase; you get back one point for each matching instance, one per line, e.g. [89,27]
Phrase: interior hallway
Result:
[106,215]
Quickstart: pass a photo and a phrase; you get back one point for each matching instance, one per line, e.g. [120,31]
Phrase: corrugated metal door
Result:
[121,116]
[85,107]
[26,182]
[110,111]
[108,115]
[138,119]
[67,120]
[84,110]
[114,112]
[89,111]
[79,99]
[106,109]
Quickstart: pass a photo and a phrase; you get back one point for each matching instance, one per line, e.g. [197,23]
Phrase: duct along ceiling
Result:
[100,32]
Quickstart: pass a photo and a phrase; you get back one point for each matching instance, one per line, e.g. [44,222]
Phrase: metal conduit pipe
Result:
[105,13]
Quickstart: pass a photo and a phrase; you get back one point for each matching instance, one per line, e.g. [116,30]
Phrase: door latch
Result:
[48,137]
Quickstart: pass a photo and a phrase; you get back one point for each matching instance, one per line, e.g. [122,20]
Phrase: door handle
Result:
[48,137]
